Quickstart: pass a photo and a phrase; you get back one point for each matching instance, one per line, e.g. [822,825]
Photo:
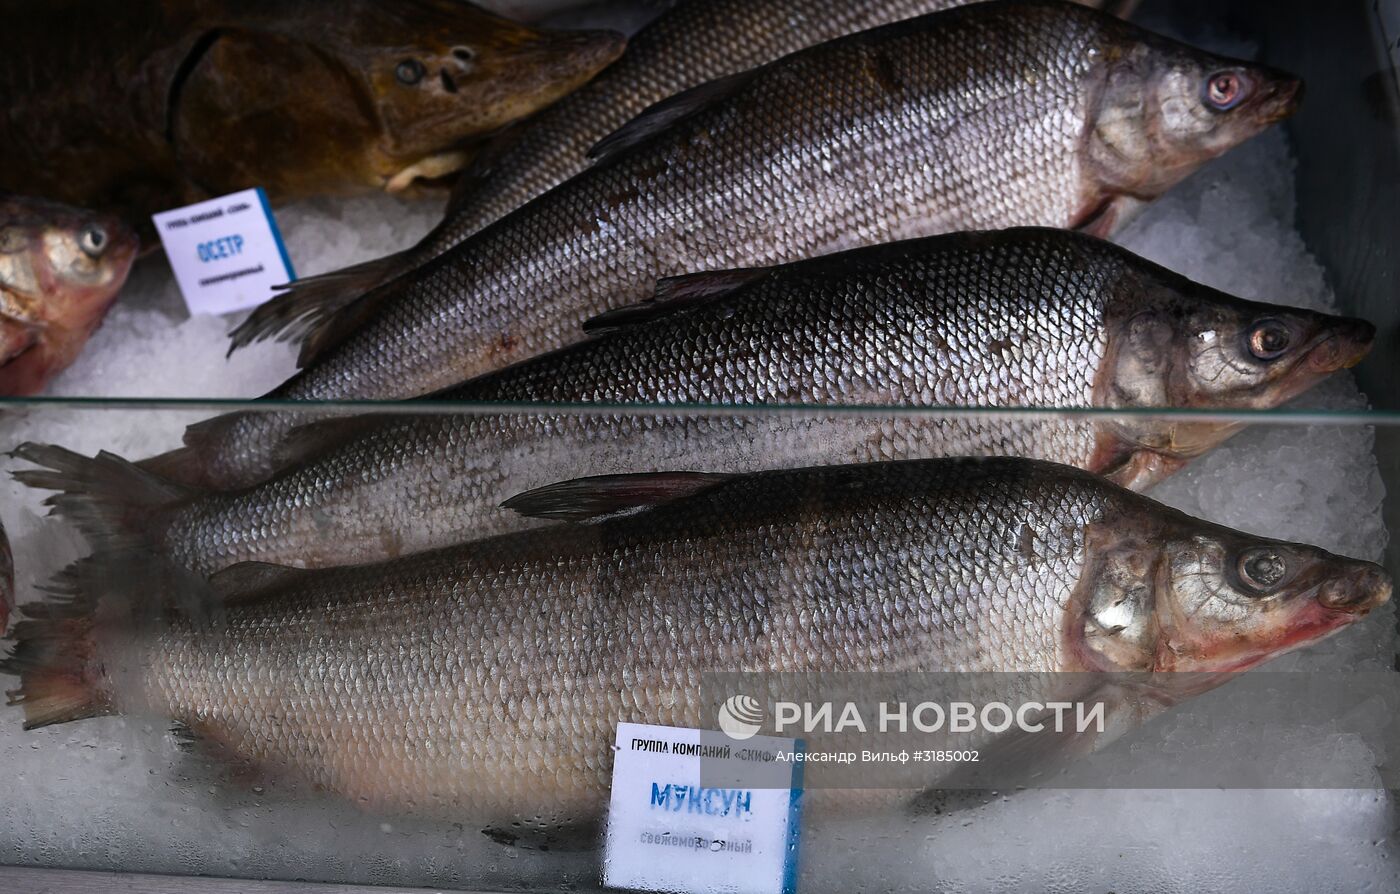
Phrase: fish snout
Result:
[1349,341]
[1357,591]
[1281,95]
[578,55]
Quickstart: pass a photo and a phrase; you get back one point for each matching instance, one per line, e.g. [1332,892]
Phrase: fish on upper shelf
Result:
[662,59]
[1026,112]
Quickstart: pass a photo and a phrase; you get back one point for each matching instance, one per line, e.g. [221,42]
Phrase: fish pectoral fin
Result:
[321,310]
[1021,758]
[1109,216]
[677,294]
[213,759]
[603,496]
[479,171]
[1014,760]
[251,578]
[660,116]
[944,801]
[537,836]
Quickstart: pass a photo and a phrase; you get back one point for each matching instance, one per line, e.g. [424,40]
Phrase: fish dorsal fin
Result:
[250,578]
[676,294]
[660,116]
[602,496]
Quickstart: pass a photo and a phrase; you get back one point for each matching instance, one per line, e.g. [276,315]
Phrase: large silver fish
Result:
[693,42]
[485,681]
[990,115]
[1027,317]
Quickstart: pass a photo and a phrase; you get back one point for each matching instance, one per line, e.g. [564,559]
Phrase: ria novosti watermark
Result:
[793,718]
[1004,730]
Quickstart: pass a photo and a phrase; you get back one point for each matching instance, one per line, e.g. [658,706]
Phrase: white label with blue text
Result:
[227,253]
[673,828]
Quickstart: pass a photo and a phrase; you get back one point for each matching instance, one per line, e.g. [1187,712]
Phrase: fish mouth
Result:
[556,63]
[1282,96]
[1345,346]
[583,53]
[1357,593]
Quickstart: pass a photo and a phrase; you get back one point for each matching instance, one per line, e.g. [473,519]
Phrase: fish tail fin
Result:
[183,464]
[55,658]
[320,310]
[115,503]
[191,466]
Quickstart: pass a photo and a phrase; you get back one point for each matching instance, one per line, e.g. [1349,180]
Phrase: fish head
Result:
[1232,601]
[1169,593]
[384,95]
[56,260]
[1163,108]
[1177,344]
[449,72]
[60,269]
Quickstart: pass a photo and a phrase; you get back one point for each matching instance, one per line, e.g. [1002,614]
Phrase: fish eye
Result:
[409,71]
[93,241]
[1262,569]
[1224,89]
[1268,339]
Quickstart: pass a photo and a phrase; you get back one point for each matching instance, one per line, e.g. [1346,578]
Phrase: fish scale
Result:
[366,681]
[485,681]
[662,59]
[917,324]
[874,137]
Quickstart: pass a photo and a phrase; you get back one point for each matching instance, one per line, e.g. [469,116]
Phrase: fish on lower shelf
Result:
[60,270]
[1024,112]
[485,681]
[154,104]
[1015,318]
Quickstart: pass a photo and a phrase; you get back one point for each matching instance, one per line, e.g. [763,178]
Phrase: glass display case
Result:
[1278,778]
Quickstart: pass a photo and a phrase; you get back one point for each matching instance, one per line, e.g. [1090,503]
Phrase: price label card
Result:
[682,818]
[227,253]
